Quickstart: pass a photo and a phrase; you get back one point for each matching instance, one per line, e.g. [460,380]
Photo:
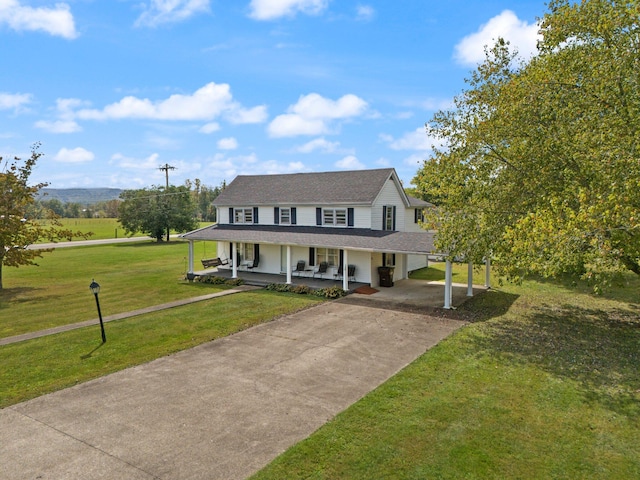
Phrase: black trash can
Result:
[386,276]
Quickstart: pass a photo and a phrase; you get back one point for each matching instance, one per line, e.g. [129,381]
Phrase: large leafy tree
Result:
[541,168]
[154,210]
[18,229]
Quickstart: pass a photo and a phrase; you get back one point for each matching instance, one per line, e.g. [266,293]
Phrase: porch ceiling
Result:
[420,243]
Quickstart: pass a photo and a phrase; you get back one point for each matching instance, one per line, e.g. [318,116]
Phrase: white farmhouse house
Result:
[315,223]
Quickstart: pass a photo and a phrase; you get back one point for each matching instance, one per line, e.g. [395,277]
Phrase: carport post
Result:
[470,280]
[288,264]
[448,274]
[487,273]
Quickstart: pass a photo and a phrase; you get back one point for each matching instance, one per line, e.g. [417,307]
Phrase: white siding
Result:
[389,196]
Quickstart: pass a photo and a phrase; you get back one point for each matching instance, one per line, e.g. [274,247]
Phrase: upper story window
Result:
[334,216]
[389,217]
[285,216]
[243,215]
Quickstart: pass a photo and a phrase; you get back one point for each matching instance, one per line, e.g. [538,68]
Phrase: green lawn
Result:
[102,228]
[46,364]
[131,276]
[546,384]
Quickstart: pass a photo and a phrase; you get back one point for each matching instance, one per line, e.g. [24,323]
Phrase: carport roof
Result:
[421,243]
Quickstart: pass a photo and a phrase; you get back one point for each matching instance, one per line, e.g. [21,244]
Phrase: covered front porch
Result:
[262,279]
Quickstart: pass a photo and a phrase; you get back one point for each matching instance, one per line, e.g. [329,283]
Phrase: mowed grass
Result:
[102,228]
[131,276]
[35,367]
[545,384]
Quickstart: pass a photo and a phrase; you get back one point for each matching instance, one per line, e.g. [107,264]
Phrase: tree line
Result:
[201,196]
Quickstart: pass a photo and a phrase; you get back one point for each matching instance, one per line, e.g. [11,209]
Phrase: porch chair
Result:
[256,262]
[299,267]
[339,272]
[322,269]
[351,272]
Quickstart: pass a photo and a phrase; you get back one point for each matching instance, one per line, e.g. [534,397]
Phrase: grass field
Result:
[101,228]
[131,276]
[546,384]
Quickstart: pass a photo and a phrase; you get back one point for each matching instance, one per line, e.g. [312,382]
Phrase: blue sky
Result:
[115,89]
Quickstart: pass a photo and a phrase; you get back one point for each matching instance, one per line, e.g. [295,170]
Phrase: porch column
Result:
[345,270]
[190,269]
[234,260]
[470,280]
[288,264]
[448,274]
[487,273]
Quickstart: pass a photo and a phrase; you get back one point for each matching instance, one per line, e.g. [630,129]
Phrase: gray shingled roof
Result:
[349,238]
[358,187]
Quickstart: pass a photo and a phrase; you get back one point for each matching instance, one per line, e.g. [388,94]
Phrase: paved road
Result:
[221,410]
[83,243]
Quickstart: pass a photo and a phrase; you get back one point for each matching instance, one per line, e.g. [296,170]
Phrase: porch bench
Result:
[213,262]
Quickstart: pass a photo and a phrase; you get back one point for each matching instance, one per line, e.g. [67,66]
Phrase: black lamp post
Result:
[95,289]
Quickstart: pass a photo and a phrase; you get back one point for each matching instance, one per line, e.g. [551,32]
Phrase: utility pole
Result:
[166,167]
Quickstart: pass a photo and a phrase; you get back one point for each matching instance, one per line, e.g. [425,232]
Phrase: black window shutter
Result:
[393,218]
[230,250]
[384,259]
[276,215]
[384,217]
[312,256]
[415,216]
[318,216]
[230,214]
[255,215]
[256,251]
[350,217]
[393,259]
[341,259]
[294,218]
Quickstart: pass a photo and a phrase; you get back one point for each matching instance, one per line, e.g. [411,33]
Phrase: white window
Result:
[334,217]
[329,255]
[243,215]
[389,217]
[285,216]
[246,250]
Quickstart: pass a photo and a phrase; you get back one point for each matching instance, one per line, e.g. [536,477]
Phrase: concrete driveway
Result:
[221,410]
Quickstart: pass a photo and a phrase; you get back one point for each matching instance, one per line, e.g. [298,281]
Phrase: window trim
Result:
[326,254]
[282,215]
[333,214]
[240,215]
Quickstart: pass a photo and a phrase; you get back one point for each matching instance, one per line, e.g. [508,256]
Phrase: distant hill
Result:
[84,196]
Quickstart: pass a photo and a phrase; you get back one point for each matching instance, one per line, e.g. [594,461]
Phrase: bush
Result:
[330,292]
[214,280]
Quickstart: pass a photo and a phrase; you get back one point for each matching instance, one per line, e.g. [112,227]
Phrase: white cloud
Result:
[206,103]
[350,162]
[158,12]
[59,126]
[151,162]
[272,9]
[9,101]
[365,13]
[75,155]
[313,113]
[229,143]
[318,144]
[239,116]
[523,36]
[415,140]
[209,128]
[57,21]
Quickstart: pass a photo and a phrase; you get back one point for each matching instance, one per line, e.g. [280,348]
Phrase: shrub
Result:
[330,292]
